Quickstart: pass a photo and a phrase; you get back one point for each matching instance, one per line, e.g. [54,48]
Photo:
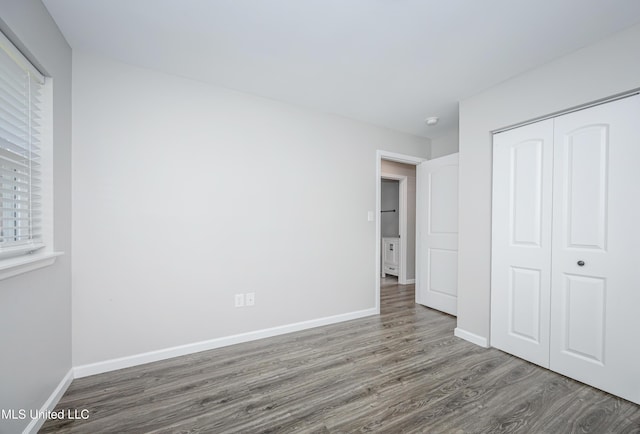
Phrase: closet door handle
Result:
[580,263]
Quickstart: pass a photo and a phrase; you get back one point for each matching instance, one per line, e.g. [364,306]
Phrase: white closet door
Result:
[437,233]
[595,324]
[521,238]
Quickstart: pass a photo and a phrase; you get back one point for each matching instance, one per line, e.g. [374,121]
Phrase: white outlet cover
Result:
[250,298]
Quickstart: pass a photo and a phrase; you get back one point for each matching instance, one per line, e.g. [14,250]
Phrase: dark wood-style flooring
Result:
[402,371]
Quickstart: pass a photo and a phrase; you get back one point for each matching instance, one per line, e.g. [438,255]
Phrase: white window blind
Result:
[20,163]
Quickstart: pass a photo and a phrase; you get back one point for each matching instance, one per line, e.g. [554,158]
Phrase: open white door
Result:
[437,233]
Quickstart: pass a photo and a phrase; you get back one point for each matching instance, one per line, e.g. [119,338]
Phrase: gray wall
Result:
[609,67]
[389,200]
[180,178]
[35,308]
[444,145]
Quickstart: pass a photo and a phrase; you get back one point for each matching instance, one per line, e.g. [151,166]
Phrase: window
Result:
[21,121]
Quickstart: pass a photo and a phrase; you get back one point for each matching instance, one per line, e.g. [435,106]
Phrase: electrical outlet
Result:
[250,298]
[239,300]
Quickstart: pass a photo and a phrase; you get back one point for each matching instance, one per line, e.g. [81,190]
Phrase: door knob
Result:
[580,263]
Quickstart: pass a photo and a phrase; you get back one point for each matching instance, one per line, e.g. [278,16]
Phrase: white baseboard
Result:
[50,403]
[410,281]
[471,337]
[196,347]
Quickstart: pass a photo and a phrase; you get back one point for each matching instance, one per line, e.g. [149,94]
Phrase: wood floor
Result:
[402,371]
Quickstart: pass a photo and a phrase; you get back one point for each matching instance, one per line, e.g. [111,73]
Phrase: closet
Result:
[565,272]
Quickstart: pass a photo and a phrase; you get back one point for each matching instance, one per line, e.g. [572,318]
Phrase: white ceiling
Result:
[387,62]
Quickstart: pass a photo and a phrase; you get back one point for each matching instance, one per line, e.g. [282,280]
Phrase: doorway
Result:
[429,214]
[402,169]
[390,216]
[397,221]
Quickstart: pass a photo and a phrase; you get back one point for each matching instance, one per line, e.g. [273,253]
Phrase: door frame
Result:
[402,221]
[398,158]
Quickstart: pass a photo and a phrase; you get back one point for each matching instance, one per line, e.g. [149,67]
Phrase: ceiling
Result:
[386,62]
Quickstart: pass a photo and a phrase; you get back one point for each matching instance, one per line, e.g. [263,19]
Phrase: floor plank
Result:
[401,371]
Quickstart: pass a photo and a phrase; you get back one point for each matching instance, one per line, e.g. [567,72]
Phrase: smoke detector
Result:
[431,121]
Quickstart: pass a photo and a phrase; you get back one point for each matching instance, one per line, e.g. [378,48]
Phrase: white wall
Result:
[445,145]
[389,200]
[158,258]
[35,308]
[409,171]
[609,67]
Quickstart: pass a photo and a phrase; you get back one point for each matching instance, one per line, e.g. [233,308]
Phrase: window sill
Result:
[23,264]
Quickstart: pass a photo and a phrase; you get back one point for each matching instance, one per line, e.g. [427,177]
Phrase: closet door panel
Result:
[524,303]
[585,178]
[583,306]
[521,232]
[595,272]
